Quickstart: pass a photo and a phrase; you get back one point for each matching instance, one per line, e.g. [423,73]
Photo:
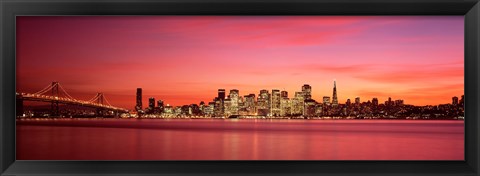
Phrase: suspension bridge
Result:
[55,94]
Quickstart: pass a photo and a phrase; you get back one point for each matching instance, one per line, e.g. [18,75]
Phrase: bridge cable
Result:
[49,87]
[66,93]
[106,100]
[94,98]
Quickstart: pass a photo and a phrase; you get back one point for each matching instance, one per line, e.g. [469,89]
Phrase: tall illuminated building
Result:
[307,91]
[334,97]
[138,106]
[357,100]
[218,107]
[275,102]
[219,103]
[285,107]
[348,103]
[298,103]
[249,104]
[228,107]
[310,108]
[234,99]
[263,103]
[151,105]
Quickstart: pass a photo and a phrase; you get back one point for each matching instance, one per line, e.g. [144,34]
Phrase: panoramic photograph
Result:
[240,88]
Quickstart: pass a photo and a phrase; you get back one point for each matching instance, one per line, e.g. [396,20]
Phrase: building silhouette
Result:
[138,106]
[151,105]
[455,101]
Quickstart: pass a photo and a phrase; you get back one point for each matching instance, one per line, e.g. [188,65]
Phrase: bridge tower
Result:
[100,111]
[54,107]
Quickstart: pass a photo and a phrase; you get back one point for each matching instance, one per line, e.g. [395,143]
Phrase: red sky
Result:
[185,59]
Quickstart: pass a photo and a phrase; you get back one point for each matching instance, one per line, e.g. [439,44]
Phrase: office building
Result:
[263,103]
[310,107]
[298,104]
[334,97]
[138,106]
[249,104]
[151,105]
[275,102]
[285,107]
[326,100]
[234,100]
[307,91]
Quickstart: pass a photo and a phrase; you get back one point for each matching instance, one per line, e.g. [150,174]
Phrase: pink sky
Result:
[185,59]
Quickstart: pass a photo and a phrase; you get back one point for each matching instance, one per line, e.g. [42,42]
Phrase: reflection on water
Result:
[218,139]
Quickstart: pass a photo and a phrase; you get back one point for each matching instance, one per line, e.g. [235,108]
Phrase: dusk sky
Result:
[185,59]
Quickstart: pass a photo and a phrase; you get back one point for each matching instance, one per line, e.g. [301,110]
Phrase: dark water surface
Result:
[238,139]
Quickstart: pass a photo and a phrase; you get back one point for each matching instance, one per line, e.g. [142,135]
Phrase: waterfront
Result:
[239,139]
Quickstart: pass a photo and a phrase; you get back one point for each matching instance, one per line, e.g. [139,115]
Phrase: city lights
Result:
[276,104]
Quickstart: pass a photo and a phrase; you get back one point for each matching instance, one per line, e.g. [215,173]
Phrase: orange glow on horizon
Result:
[186,59]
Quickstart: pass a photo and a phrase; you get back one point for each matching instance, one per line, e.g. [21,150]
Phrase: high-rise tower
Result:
[307,91]
[334,98]
[138,106]
[151,105]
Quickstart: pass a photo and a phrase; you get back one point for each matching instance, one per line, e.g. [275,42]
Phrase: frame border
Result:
[12,8]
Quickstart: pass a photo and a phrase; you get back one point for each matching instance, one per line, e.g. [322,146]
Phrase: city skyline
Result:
[278,104]
[184,60]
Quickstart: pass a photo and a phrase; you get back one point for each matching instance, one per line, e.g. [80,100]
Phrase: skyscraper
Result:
[357,100]
[151,105]
[298,103]
[221,94]
[250,104]
[334,97]
[285,107]
[160,106]
[275,103]
[307,91]
[234,98]
[263,102]
[310,108]
[220,104]
[138,105]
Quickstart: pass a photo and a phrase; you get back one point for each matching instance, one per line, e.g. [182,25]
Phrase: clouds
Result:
[176,57]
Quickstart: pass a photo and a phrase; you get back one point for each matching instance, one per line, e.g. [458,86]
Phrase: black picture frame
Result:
[9,9]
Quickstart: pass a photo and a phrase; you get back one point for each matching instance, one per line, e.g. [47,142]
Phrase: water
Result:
[238,139]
